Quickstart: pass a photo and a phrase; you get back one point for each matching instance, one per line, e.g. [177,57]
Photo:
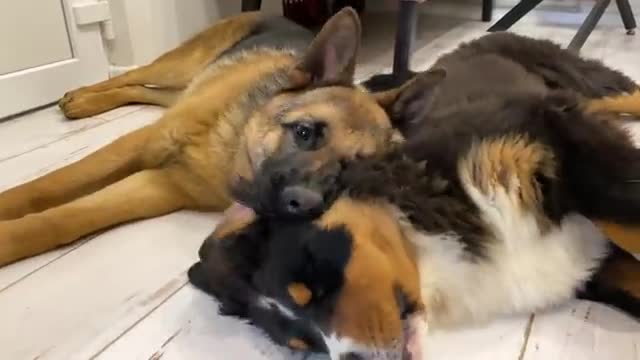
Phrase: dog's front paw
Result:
[78,104]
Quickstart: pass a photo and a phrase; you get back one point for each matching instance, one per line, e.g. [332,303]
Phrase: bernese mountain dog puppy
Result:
[487,209]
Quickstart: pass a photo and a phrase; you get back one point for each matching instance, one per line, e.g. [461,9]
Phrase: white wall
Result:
[147,28]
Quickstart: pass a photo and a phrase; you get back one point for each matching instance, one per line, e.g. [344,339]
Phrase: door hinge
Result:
[95,12]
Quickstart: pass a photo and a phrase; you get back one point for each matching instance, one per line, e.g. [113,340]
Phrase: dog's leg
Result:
[99,102]
[145,194]
[625,236]
[616,284]
[107,165]
[620,104]
[173,70]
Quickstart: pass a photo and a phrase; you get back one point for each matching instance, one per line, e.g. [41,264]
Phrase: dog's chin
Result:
[415,332]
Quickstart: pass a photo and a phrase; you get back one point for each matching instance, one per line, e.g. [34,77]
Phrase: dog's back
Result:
[273,32]
[558,68]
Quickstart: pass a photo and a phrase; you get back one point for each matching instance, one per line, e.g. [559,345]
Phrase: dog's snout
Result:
[298,200]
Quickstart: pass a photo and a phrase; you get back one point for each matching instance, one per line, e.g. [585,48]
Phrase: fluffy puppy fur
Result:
[484,211]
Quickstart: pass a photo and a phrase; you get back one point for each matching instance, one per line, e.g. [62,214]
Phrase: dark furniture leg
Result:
[626,13]
[251,5]
[487,10]
[405,36]
[515,14]
[588,25]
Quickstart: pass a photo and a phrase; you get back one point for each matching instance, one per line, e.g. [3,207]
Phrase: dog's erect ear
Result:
[412,100]
[331,57]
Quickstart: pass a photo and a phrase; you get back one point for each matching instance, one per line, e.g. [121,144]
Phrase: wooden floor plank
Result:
[187,326]
[46,126]
[583,331]
[86,299]
[503,339]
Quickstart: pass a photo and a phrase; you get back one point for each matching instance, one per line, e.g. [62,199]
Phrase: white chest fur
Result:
[524,270]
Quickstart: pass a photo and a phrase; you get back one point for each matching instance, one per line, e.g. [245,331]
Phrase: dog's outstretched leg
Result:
[616,284]
[145,194]
[107,165]
[619,104]
[98,102]
[626,236]
[173,70]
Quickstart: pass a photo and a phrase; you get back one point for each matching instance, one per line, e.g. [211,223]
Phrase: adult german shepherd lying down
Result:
[247,89]
[483,211]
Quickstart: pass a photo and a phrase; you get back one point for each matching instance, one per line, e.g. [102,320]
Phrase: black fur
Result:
[557,68]
[600,289]
[263,194]
[263,260]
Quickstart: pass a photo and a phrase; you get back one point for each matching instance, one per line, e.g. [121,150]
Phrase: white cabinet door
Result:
[48,47]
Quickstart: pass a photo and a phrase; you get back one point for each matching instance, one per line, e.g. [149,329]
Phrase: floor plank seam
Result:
[527,334]
[71,249]
[124,114]
[57,140]
[103,121]
[140,320]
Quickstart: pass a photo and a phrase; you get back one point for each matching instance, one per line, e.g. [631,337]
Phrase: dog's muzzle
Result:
[290,187]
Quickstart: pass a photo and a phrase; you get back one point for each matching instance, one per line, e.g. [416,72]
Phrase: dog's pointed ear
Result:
[412,100]
[331,57]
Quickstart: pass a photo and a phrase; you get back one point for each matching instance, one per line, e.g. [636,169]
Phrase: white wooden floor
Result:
[124,295]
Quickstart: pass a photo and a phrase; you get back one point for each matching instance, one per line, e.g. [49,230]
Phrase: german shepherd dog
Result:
[247,89]
[484,210]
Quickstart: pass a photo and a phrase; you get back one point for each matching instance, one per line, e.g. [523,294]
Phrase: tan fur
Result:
[223,120]
[367,310]
[625,236]
[623,271]
[619,104]
[173,70]
[512,163]
[297,344]
[300,294]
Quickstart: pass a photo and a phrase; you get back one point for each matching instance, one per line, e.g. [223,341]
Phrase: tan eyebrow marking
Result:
[300,293]
[297,344]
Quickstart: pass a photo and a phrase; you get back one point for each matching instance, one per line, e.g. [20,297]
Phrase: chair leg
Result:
[405,37]
[487,10]
[515,14]
[588,25]
[251,5]
[626,13]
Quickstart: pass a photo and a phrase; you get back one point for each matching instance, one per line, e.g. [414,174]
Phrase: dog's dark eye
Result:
[303,132]
[307,135]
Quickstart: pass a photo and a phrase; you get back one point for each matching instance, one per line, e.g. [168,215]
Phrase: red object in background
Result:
[314,13]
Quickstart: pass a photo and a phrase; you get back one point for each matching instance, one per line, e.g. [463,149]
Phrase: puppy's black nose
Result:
[301,201]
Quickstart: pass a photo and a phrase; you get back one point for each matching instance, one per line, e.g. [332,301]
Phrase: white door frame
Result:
[34,87]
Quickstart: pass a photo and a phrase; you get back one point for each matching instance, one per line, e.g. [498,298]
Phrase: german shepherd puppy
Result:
[247,89]
[484,211]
